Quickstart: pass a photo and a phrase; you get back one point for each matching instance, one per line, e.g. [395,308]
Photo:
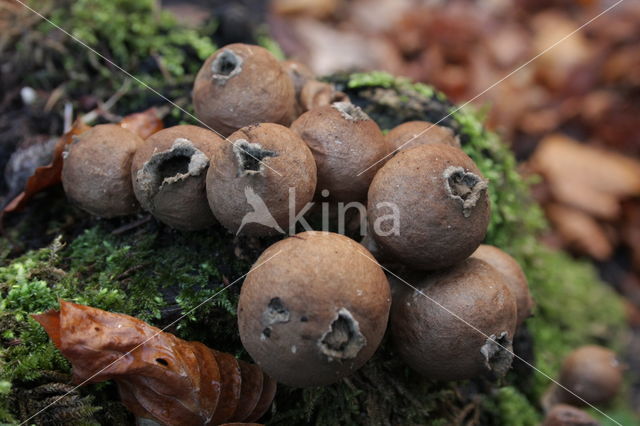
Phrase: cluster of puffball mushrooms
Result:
[317,304]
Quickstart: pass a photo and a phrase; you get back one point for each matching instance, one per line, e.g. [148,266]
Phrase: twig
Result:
[68,116]
[129,271]
[103,108]
[132,225]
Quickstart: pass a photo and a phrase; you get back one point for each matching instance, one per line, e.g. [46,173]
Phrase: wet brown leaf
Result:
[159,376]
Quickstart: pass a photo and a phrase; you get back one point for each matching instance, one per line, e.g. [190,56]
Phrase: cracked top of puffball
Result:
[472,183]
[228,64]
[350,111]
[151,181]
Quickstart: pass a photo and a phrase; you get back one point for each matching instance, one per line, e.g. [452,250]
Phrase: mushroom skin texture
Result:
[168,174]
[317,94]
[344,142]
[416,133]
[314,310]
[439,203]
[441,346]
[259,197]
[241,84]
[300,75]
[591,372]
[566,415]
[514,277]
[96,171]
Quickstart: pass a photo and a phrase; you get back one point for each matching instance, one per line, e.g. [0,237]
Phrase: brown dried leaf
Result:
[231,385]
[269,387]
[580,231]
[144,123]
[252,378]
[320,9]
[159,376]
[587,178]
[560,60]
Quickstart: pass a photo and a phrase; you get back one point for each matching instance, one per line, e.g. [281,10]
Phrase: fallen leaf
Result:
[159,376]
[579,231]
[558,61]
[144,124]
[590,179]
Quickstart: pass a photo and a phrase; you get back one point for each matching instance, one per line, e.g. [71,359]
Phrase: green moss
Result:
[372,79]
[155,276]
[512,408]
[137,36]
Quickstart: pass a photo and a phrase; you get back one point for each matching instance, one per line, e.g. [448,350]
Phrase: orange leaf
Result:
[144,123]
[159,376]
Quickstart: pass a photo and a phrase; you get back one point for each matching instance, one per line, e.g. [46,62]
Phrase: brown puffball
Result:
[242,84]
[253,179]
[566,415]
[316,94]
[299,74]
[169,172]
[416,133]
[96,171]
[429,207]
[313,309]
[591,372]
[346,144]
[515,278]
[430,325]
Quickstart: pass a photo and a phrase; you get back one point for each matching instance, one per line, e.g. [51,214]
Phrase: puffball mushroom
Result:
[242,84]
[314,310]
[169,172]
[592,374]
[514,277]
[315,94]
[260,180]
[429,207]
[96,171]
[416,133]
[299,74]
[344,142]
[566,415]
[430,324]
